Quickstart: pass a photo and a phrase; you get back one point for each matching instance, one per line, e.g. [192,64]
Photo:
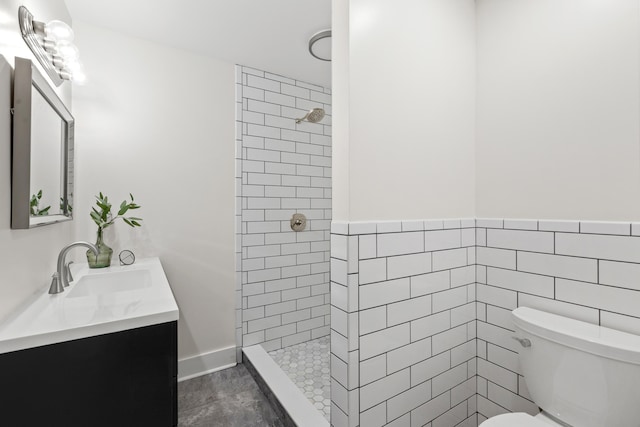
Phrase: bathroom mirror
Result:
[42,163]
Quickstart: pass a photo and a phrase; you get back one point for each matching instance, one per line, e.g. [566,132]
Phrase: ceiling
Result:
[271,35]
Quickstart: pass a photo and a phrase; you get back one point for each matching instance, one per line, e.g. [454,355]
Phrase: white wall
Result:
[27,257]
[558,109]
[409,87]
[159,123]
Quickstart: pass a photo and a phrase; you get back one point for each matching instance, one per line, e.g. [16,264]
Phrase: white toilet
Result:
[579,374]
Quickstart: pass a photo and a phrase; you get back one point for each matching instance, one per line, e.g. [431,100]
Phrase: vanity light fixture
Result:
[52,44]
[320,45]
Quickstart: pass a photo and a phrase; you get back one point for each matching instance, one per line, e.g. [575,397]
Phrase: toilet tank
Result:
[582,374]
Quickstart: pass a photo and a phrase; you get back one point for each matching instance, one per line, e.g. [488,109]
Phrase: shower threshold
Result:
[307,365]
[294,408]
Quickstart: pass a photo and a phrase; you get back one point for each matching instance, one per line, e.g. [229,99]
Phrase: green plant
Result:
[103,218]
[34,203]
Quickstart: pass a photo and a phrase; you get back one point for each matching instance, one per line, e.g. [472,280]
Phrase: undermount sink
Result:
[110,283]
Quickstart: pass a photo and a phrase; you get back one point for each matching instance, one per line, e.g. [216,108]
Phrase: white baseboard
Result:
[206,363]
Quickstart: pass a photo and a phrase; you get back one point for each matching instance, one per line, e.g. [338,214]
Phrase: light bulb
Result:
[58,30]
[79,78]
[68,50]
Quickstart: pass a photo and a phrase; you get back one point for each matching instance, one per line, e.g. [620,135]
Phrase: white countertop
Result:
[48,319]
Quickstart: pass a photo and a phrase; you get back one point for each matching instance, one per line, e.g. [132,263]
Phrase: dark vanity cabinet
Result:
[121,379]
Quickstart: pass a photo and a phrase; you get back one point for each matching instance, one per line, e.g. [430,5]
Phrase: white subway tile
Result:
[602,227]
[498,336]
[463,276]
[389,227]
[362,228]
[511,401]
[521,224]
[621,274]
[448,339]
[497,296]
[522,282]
[433,225]
[451,223]
[449,379]
[372,270]
[463,353]
[464,391]
[496,257]
[279,308]
[430,325]
[408,265]
[498,375]
[488,409]
[448,259]
[430,283]
[384,293]
[264,323]
[617,300]
[374,417]
[410,399]
[407,310]
[400,243]
[373,369]
[383,341]
[448,299]
[499,316]
[573,311]
[503,357]
[562,226]
[535,241]
[412,226]
[618,248]
[367,246]
[468,236]
[381,390]
[430,410]
[481,236]
[429,368]
[373,319]
[442,239]
[559,266]
[463,314]
[408,355]
[489,223]
[620,322]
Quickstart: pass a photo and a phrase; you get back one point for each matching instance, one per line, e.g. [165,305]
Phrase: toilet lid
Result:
[520,419]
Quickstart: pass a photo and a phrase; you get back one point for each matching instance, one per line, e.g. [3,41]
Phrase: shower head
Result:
[313,116]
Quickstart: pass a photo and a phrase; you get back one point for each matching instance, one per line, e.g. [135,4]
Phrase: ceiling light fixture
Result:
[52,44]
[320,45]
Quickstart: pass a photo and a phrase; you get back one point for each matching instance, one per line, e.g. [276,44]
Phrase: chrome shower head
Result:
[313,116]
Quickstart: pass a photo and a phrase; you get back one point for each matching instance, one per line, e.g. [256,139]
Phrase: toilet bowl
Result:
[579,374]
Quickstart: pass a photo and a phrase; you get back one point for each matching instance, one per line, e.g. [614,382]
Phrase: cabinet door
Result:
[121,379]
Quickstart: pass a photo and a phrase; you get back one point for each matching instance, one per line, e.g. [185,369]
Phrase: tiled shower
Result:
[284,168]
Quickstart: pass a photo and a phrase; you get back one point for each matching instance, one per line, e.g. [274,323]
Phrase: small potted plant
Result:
[103,219]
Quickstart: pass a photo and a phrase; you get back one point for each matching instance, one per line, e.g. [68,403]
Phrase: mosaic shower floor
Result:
[307,364]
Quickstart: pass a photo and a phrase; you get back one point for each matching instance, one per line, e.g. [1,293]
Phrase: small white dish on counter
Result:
[98,301]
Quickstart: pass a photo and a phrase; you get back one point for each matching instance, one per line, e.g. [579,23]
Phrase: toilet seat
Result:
[519,419]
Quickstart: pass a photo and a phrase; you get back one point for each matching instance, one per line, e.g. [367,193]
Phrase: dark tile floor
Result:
[226,398]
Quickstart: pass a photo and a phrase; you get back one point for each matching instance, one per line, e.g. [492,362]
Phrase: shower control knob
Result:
[523,341]
[298,222]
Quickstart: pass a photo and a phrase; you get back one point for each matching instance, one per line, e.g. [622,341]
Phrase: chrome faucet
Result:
[61,277]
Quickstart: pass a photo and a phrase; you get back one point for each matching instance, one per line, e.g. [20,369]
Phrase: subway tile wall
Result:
[421,310]
[282,168]
[403,324]
[588,271]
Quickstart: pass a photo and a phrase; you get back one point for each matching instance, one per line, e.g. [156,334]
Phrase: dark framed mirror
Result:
[42,151]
